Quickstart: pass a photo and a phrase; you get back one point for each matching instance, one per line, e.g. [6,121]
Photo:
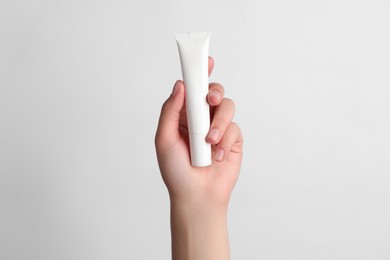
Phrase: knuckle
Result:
[235,126]
[157,140]
[222,121]
[217,86]
[165,106]
[229,102]
[224,115]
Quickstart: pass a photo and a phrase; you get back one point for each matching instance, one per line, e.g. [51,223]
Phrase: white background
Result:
[81,86]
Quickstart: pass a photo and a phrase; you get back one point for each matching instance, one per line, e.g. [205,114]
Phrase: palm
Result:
[181,177]
[216,181]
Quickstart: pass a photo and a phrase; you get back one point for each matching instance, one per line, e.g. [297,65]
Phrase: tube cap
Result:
[200,150]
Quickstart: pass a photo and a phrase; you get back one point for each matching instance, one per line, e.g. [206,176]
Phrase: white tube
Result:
[194,53]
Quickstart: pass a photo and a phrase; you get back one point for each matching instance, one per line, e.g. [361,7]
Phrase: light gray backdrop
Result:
[81,85]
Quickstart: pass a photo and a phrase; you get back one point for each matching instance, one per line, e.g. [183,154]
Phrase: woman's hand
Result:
[212,184]
[199,195]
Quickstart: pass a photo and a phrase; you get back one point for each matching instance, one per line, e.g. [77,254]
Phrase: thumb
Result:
[168,125]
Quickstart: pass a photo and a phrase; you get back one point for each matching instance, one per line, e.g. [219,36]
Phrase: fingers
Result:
[216,91]
[168,125]
[223,116]
[215,95]
[231,137]
[224,133]
[211,65]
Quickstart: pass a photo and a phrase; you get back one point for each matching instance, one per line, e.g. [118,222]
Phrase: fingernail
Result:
[214,134]
[219,155]
[215,95]
[175,88]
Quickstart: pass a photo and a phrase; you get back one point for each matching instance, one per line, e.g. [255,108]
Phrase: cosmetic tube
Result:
[194,53]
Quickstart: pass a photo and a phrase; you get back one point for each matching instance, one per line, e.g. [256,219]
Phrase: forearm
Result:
[199,232]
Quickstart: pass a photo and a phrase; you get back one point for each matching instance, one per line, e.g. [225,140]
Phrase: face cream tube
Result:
[194,53]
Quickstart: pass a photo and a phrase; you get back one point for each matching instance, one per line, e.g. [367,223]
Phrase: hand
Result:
[210,185]
[199,195]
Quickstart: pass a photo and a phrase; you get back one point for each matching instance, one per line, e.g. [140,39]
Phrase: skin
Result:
[199,195]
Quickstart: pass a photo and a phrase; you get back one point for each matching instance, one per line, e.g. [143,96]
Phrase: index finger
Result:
[211,65]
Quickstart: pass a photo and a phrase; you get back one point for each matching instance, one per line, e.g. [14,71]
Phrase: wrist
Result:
[202,200]
[198,212]
[199,231]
